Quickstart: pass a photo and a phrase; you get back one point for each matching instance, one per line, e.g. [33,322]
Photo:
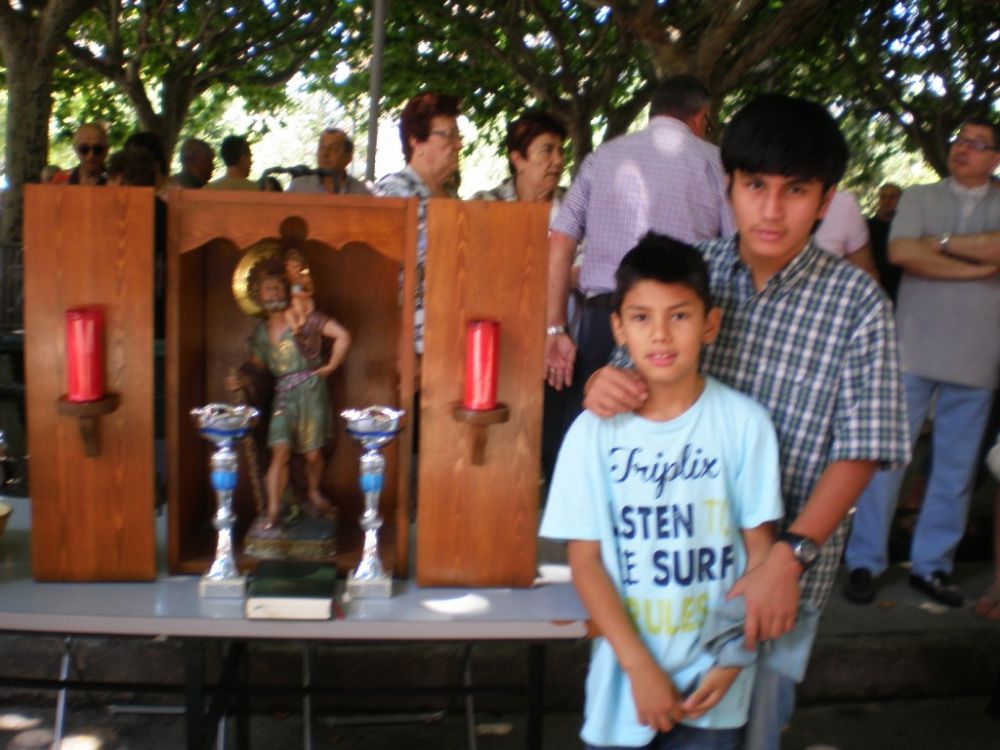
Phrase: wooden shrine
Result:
[476,522]
[357,248]
[92,515]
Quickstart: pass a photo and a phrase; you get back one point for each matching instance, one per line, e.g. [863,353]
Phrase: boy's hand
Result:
[657,701]
[612,391]
[710,690]
[771,591]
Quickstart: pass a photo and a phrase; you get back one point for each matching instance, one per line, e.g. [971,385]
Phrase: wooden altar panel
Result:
[477,525]
[356,248]
[92,518]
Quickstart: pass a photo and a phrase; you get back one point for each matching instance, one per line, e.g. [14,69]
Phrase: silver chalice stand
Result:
[373,428]
[224,425]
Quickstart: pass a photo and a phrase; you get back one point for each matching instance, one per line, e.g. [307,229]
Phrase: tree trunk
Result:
[29,106]
[582,138]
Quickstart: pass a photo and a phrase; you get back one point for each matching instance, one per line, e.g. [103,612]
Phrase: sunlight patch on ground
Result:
[81,742]
[17,722]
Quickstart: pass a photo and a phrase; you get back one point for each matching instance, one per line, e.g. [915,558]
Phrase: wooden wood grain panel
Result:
[356,248]
[92,518]
[477,525]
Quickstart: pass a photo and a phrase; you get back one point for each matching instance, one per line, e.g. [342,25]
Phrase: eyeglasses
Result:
[448,135]
[972,143]
[85,148]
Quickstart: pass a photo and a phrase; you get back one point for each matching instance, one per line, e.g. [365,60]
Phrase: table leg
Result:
[60,721]
[242,686]
[536,696]
[194,694]
[307,714]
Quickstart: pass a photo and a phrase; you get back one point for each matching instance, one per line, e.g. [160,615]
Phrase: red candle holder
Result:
[85,354]
[479,409]
[482,362]
[85,398]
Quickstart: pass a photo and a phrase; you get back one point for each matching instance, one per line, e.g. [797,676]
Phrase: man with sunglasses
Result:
[947,312]
[90,143]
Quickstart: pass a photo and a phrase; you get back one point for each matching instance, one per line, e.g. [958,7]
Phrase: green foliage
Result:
[501,57]
[165,56]
[901,76]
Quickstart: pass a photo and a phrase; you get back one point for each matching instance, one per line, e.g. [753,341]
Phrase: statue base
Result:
[222,588]
[307,539]
[372,588]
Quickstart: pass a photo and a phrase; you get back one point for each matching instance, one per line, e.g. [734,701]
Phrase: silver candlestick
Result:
[373,428]
[224,425]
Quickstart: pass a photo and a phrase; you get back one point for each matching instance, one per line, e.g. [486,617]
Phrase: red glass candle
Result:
[482,359]
[85,354]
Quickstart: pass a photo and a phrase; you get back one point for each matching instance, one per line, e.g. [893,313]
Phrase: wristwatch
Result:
[556,331]
[944,242]
[804,549]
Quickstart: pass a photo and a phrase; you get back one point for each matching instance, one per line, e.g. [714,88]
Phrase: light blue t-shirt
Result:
[667,502]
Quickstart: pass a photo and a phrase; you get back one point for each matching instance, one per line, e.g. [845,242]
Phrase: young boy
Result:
[812,339]
[653,504]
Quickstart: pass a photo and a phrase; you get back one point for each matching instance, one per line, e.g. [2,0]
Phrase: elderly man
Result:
[91,145]
[947,317]
[665,179]
[197,163]
[334,153]
[235,152]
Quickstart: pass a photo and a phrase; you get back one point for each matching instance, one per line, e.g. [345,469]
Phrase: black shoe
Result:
[860,586]
[938,586]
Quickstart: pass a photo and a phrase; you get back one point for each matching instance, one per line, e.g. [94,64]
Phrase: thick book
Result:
[291,590]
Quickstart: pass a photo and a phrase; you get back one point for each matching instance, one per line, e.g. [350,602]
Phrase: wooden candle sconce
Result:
[479,422]
[88,412]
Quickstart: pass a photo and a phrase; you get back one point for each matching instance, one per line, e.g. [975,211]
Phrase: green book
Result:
[291,590]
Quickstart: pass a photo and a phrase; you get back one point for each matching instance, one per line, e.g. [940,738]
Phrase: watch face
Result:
[807,551]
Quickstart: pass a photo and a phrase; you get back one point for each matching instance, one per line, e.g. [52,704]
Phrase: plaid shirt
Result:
[817,347]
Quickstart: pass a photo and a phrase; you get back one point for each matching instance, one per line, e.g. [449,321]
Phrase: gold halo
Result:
[253,255]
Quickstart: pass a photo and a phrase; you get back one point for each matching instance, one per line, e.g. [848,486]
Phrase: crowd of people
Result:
[780,373]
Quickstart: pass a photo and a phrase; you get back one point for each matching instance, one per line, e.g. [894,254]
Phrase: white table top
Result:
[171,607]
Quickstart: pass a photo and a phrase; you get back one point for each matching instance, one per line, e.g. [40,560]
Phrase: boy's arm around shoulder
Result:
[658,704]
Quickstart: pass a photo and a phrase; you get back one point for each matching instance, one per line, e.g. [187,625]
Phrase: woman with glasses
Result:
[90,143]
[428,129]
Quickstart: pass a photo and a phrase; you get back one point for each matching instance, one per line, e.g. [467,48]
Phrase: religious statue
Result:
[300,287]
[289,348]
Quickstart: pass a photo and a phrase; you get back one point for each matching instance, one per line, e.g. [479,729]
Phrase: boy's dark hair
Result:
[232,148]
[666,260]
[782,135]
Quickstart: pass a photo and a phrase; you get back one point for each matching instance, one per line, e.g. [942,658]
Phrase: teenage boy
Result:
[812,339]
[663,509]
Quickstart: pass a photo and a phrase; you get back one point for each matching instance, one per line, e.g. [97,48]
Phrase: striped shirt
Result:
[664,178]
[817,347]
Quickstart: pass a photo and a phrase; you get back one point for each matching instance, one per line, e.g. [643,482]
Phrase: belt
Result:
[601,301]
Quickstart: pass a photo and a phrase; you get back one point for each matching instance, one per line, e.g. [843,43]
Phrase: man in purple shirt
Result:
[664,179]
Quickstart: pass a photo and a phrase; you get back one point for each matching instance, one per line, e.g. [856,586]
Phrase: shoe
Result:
[938,586]
[860,586]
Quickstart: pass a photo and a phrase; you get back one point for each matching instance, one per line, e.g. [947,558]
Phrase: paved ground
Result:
[941,724]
